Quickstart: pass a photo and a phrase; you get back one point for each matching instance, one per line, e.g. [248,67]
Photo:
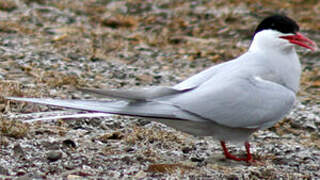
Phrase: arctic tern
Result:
[228,101]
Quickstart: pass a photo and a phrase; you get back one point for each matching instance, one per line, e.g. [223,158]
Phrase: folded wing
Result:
[142,94]
[249,102]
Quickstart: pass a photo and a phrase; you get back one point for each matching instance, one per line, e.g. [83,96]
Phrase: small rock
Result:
[129,149]
[73,177]
[186,149]
[69,143]
[141,174]
[310,124]
[68,165]
[196,159]
[18,150]
[54,155]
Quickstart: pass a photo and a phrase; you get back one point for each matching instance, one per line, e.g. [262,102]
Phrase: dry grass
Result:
[14,27]
[13,128]
[8,5]
[169,168]
[140,135]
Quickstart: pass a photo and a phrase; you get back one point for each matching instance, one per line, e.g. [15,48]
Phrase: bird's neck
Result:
[284,63]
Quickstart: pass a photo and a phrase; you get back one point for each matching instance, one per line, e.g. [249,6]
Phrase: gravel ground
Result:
[48,48]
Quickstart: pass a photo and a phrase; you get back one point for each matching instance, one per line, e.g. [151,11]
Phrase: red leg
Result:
[249,156]
[228,155]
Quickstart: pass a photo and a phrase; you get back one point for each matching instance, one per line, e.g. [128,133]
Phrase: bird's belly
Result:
[208,128]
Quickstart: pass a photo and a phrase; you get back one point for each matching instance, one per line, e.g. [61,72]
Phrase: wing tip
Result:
[21,98]
[12,98]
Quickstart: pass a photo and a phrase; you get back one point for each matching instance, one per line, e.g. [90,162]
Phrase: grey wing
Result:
[134,102]
[239,102]
[143,94]
[138,108]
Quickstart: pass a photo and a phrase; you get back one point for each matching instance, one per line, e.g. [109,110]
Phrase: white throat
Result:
[280,55]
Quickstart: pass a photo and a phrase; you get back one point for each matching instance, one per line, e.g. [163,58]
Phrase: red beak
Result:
[301,40]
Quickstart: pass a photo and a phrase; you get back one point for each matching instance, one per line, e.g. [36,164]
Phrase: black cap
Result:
[279,23]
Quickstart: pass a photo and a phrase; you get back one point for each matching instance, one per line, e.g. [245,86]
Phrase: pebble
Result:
[54,155]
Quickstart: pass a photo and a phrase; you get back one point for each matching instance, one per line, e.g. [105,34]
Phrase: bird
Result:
[228,101]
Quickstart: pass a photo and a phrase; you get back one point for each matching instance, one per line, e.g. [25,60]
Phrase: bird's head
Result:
[279,31]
